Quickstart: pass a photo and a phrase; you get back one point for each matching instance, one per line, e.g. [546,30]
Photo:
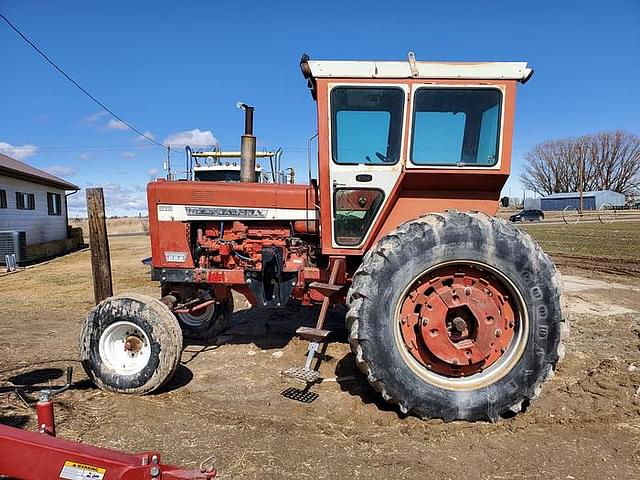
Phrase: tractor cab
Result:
[224,166]
[397,139]
[223,172]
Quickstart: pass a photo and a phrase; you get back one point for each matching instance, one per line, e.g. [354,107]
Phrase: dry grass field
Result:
[116,226]
[617,240]
[226,397]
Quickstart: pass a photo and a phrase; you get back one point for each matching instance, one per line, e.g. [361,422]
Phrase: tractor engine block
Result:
[272,256]
[232,245]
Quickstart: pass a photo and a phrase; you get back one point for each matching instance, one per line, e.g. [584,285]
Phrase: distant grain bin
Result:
[591,200]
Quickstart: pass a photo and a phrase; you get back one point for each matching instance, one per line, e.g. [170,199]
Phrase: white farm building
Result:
[33,202]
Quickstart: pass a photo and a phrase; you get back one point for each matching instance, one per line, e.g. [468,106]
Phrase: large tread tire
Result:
[390,267]
[151,317]
[212,326]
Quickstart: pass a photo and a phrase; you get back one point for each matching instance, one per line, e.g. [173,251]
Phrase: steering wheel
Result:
[382,157]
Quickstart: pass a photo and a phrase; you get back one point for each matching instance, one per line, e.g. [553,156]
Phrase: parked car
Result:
[527,216]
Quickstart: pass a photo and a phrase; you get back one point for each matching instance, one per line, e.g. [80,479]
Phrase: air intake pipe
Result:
[247,147]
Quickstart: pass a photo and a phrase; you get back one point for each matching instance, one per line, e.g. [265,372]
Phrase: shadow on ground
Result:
[352,381]
[181,378]
[273,328]
[30,382]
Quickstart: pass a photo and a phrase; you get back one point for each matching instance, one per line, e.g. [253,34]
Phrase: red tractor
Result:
[452,313]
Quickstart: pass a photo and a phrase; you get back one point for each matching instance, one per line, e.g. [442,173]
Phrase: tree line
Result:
[607,161]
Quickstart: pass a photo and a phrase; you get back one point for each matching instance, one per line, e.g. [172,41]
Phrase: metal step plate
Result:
[298,395]
[313,334]
[302,374]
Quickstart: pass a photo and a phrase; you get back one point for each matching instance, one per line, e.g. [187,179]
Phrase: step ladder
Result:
[317,336]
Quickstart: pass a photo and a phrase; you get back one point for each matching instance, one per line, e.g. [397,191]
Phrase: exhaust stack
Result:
[247,146]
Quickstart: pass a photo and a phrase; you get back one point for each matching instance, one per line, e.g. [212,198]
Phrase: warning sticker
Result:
[81,471]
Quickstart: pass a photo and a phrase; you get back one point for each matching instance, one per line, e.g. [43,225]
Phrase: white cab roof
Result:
[413,69]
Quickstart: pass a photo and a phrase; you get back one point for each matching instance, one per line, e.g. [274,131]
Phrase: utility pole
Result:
[581,181]
[99,244]
[169,163]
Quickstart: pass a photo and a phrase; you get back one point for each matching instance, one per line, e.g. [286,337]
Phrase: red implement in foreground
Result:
[28,455]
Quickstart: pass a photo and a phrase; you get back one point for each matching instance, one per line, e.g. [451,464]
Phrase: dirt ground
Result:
[226,398]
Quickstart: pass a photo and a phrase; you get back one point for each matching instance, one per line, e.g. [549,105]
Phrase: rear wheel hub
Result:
[457,320]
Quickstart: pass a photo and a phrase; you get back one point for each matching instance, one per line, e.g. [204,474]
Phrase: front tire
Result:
[207,324]
[457,316]
[130,343]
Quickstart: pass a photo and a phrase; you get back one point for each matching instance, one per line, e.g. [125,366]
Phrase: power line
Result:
[132,146]
[80,87]
[81,147]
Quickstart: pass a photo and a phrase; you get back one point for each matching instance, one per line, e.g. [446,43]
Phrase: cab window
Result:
[456,126]
[366,125]
[355,209]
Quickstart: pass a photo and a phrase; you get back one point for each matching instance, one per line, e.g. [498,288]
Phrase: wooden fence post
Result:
[100,257]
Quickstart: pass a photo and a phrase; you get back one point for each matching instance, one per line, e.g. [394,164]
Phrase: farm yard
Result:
[252,239]
[225,399]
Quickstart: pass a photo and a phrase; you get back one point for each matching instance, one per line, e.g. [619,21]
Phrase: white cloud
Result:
[77,205]
[153,173]
[62,170]
[191,137]
[114,124]
[119,200]
[127,154]
[18,152]
[84,156]
[94,117]
[148,134]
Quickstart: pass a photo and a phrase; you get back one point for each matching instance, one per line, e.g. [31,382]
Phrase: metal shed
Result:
[591,200]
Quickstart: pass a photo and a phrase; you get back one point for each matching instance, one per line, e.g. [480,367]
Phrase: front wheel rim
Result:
[461,325]
[124,348]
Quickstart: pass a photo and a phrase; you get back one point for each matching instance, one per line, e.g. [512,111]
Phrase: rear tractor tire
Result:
[457,316]
[130,343]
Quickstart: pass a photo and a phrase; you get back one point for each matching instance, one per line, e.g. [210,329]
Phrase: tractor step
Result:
[326,289]
[313,334]
[303,374]
[306,374]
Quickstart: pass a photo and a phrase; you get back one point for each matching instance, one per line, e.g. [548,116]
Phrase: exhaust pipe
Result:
[247,147]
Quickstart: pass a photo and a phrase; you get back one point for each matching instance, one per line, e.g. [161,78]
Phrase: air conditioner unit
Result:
[13,243]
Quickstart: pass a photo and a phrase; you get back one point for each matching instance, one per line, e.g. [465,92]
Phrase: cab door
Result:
[366,153]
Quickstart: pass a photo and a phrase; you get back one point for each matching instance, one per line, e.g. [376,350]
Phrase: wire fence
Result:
[605,214]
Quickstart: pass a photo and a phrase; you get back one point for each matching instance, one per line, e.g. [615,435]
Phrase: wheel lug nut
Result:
[425,321]
[467,291]
[498,332]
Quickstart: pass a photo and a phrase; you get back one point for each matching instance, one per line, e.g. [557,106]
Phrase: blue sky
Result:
[172,67]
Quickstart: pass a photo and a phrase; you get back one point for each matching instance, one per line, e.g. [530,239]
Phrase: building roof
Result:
[14,168]
[413,69]
[584,194]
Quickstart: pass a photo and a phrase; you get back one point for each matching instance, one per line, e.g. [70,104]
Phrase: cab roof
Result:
[312,69]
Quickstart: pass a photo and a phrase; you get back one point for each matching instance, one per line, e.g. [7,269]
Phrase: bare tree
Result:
[611,161]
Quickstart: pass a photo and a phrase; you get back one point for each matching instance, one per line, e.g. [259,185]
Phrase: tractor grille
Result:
[13,243]
[201,196]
